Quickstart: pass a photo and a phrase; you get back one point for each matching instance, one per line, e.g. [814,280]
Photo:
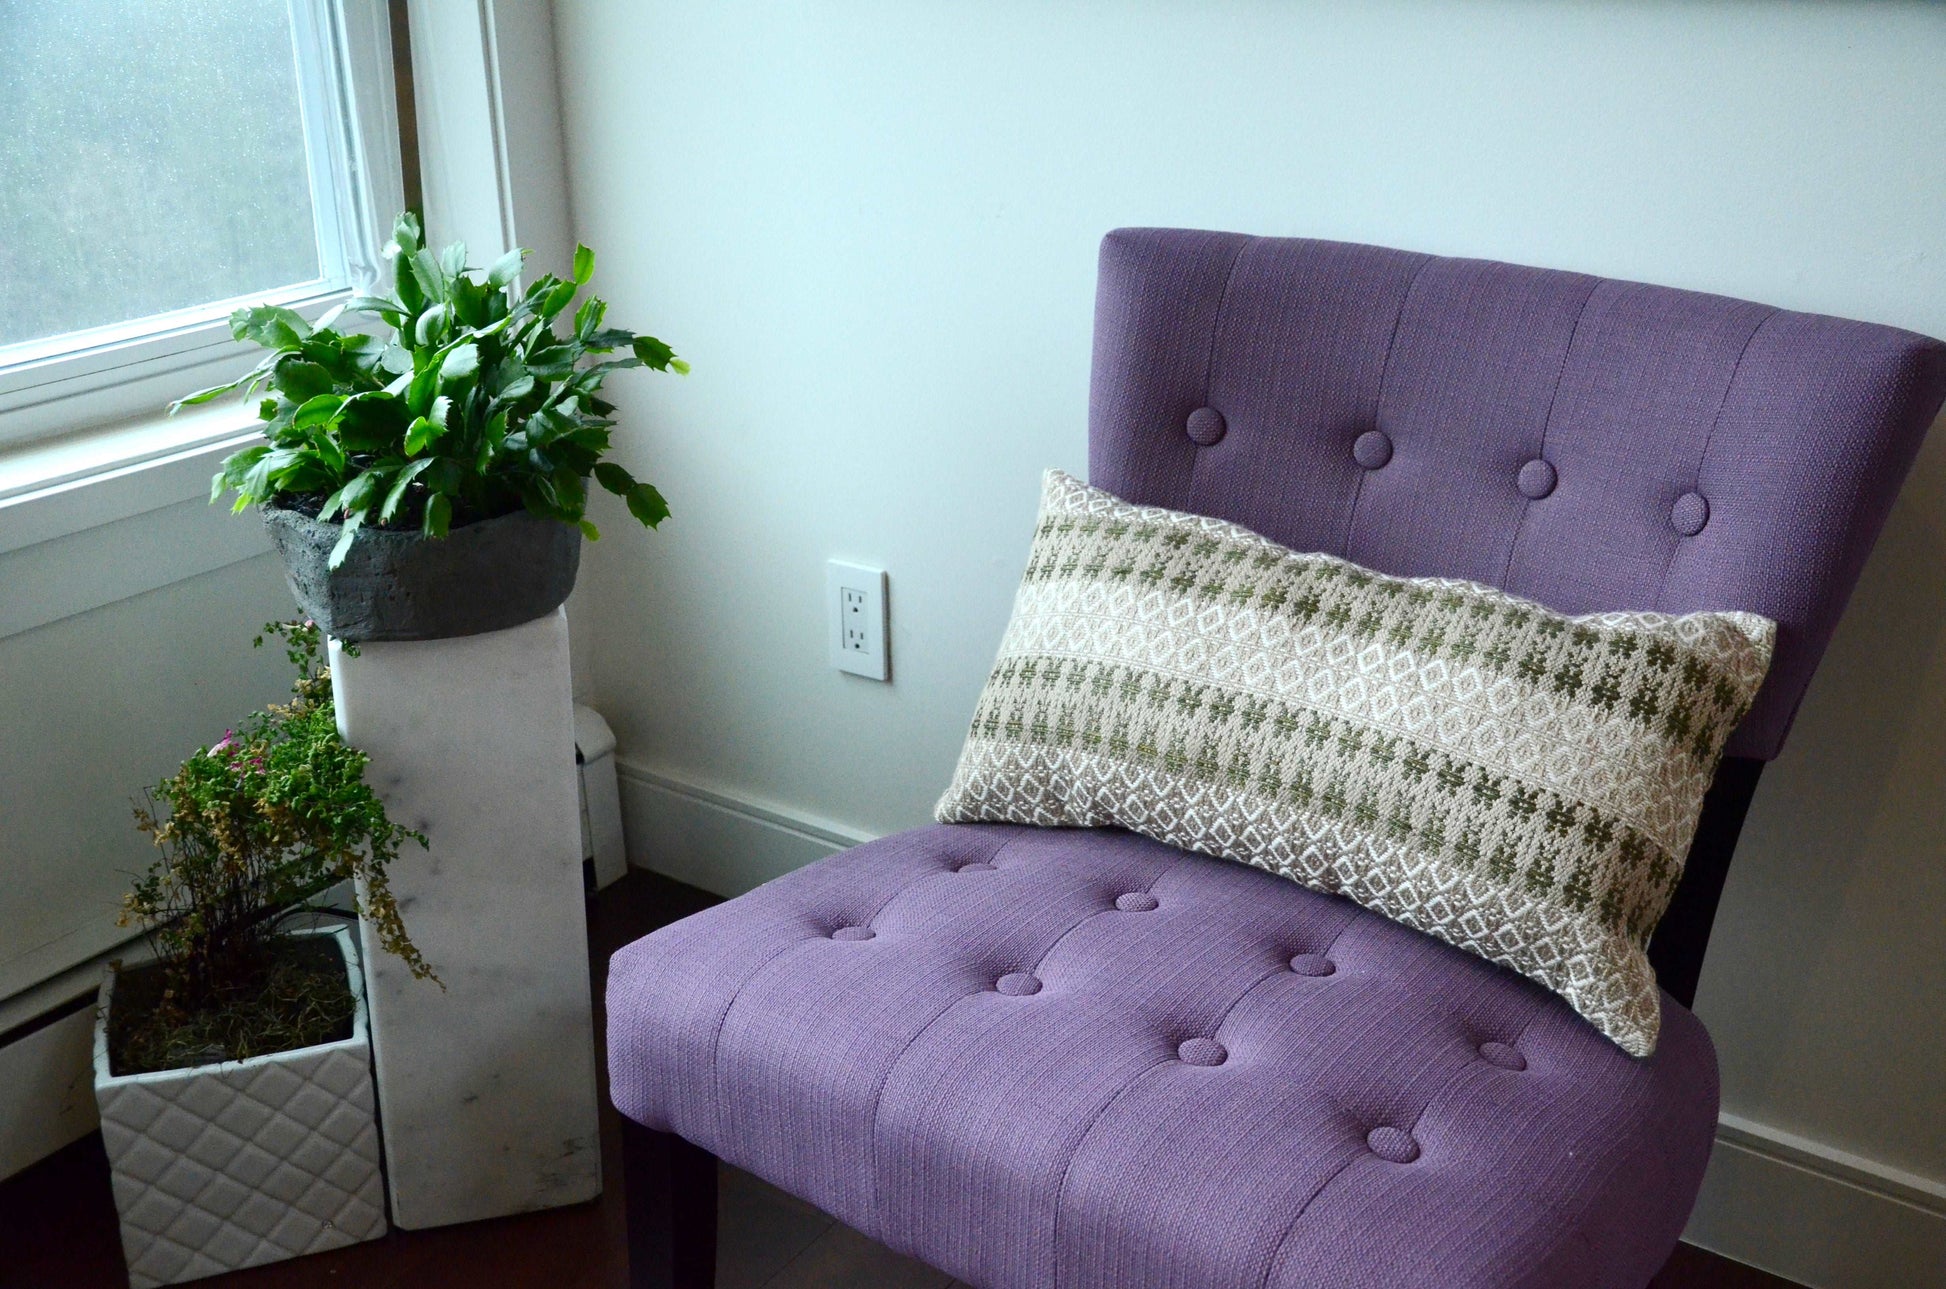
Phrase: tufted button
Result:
[1372,449]
[1313,964]
[1690,513]
[1536,479]
[977,866]
[853,933]
[1018,984]
[1135,902]
[1202,1051]
[1206,427]
[1394,1145]
[1503,1056]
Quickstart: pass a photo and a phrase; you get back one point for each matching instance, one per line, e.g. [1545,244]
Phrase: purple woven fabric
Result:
[1703,453]
[1029,1081]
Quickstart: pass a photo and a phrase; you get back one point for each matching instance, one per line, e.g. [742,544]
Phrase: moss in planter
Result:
[297,998]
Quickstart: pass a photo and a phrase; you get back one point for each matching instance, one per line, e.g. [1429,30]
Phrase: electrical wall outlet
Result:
[860,632]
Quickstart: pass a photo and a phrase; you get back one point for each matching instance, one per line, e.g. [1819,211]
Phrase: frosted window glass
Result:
[152,157]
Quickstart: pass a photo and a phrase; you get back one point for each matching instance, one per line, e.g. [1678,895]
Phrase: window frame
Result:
[133,369]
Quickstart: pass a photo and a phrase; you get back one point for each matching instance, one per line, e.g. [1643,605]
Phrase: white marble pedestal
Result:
[486,1090]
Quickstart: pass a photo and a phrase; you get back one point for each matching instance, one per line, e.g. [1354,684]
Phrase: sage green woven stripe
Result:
[1682,695]
[1482,820]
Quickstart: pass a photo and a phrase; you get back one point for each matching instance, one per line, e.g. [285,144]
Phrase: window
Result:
[161,164]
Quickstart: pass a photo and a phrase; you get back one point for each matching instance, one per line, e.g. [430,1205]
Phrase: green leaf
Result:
[419,394]
[430,323]
[589,531]
[461,365]
[587,319]
[421,434]
[399,485]
[491,439]
[354,498]
[300,381]
[406,287]
[444,475]
[203,396]
[608,338]
[431,277]
[330,453]
[396,359]
[406,236]
[517,388]
[614,478]
[558,299]
[452,260]
[469,302]
[343,548]
[234,467]
[584,265]
[439,513]
[506,269]
[551,363]
[373,423]
[654,353]
[385,306]
[569,490]
[647,505]
[318,410]
[269,325]
[258,482]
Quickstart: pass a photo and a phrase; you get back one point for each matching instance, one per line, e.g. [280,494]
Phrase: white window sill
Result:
[84,480]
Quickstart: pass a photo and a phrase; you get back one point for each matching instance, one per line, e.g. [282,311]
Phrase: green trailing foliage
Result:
[476,405]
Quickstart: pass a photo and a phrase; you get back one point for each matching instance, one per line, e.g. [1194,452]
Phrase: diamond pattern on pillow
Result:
[1516,782]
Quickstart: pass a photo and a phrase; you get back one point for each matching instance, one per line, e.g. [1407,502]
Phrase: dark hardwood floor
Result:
[58,1229]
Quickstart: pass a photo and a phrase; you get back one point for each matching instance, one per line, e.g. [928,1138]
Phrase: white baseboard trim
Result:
[48,1101]
[1817,1215]
[1791,1205]
[1883,1180]
[723,842]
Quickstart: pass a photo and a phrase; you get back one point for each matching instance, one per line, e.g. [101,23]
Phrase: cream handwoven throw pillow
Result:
[1520,784]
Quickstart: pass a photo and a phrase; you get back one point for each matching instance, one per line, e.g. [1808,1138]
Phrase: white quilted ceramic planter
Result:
[240,1163]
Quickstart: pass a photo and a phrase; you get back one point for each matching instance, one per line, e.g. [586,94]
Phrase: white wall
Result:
[872,225]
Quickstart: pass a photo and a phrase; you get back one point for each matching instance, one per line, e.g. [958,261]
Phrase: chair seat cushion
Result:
[1079,1058]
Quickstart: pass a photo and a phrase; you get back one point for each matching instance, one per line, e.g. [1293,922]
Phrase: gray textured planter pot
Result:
[485,576]
[239,1163]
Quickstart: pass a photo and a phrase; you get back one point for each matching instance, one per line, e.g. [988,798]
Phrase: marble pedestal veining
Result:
[486,1090]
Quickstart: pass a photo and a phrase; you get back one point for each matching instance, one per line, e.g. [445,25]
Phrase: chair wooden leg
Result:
[670,1192]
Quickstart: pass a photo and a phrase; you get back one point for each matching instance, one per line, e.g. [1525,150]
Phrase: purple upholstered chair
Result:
[1041,1058]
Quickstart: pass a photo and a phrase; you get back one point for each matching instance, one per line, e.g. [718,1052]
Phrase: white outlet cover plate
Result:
[856,625]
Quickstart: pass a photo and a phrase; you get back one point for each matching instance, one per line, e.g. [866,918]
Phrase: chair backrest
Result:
[1584,442]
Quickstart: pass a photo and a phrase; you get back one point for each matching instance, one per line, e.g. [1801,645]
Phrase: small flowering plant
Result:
[271,816]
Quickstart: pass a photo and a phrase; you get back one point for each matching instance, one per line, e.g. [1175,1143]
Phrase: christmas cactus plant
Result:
[463,397]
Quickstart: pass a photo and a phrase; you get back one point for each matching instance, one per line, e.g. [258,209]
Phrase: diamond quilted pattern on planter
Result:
[240,1163]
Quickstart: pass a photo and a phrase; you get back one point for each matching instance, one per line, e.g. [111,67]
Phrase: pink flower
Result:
[229,740]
